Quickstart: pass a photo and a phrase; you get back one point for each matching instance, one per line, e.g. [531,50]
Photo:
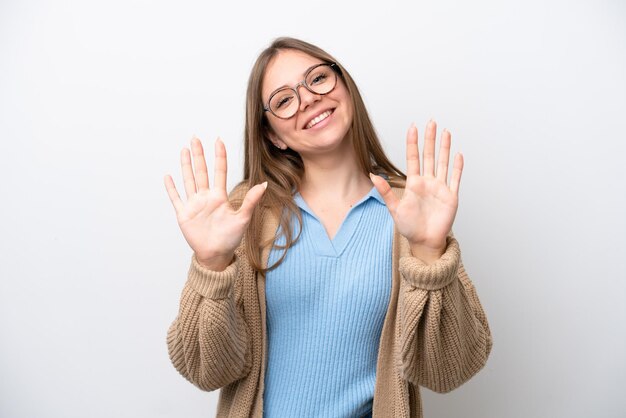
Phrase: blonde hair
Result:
[283,169]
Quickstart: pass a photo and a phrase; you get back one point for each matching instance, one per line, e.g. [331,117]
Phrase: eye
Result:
[281,100]
[318,78]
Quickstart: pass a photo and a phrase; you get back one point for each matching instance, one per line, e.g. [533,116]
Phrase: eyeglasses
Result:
[320,79]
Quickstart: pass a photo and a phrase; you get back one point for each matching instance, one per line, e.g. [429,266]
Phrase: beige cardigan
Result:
[435,332]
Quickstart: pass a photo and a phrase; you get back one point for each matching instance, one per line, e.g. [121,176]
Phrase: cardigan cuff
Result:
[434,276]
[212,284]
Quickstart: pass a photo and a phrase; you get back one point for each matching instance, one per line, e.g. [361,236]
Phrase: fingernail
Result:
[371,176]
[264,184]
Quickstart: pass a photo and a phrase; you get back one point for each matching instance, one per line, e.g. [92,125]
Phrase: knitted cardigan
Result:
[435,333]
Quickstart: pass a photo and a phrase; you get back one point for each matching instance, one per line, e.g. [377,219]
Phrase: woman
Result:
[317,288]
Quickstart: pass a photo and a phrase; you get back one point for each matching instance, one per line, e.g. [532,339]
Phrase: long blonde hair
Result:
[283,169]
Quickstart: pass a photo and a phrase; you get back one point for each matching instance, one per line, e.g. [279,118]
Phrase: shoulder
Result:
[397,190]
[238,193]
[397,185]
[263,211]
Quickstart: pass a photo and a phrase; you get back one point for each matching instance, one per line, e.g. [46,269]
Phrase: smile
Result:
[318,119]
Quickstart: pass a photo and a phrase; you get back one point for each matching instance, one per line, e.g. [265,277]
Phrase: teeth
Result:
[318,119]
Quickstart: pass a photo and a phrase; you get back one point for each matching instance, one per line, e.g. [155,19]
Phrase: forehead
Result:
[286,69]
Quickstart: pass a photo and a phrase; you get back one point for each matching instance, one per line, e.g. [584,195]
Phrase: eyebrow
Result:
[303,75]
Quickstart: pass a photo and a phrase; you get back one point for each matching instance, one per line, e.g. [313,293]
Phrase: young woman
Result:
[328,284]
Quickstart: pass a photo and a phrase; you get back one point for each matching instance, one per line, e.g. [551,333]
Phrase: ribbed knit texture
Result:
[435,332]
[326,304]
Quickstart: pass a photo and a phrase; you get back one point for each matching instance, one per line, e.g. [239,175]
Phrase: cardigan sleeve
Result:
[445,337]
[208,342]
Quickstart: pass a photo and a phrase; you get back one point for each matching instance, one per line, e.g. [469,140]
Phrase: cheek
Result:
[345,98]
[349,109]
[282,127]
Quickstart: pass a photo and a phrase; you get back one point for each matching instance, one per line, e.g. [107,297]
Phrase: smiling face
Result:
[321,123]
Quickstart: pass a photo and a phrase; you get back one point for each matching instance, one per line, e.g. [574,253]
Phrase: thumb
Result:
[252,198]
[387,194]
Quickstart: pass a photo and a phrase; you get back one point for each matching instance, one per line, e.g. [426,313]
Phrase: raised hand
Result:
[212,228]
[426,212]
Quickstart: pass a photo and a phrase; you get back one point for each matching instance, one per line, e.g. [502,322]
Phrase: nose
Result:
[307,97]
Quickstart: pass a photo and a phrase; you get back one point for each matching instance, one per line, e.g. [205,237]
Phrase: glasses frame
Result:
[303,83]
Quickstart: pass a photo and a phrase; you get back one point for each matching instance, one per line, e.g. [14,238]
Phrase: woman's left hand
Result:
[426,212]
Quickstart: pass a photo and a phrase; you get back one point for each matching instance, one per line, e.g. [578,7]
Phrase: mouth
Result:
[317,119]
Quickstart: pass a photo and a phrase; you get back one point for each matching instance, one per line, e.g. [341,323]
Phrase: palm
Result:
[426,211]
[211,227]
[209,223]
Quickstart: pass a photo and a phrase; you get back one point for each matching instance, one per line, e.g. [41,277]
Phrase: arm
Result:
[445,337]
[208,341]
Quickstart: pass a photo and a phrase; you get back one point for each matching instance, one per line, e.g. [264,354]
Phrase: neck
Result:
[335,176]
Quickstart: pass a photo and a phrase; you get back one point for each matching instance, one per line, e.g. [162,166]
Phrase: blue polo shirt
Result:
[326,304]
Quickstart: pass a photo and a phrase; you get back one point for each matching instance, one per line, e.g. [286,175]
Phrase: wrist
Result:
[428,253]
[215,263]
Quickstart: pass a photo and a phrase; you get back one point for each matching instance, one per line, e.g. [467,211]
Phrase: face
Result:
[322,121]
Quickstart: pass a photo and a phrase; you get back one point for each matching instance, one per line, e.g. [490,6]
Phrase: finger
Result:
[252,198]
[199,164]
[220,165]
[173,193]
[188,178]
[387,194]
[457,170]
[412,152]
[429,149]
[444,156]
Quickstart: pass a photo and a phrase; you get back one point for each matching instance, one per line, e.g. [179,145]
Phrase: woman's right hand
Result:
[211,227]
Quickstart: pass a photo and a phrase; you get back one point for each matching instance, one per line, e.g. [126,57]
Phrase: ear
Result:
[278,143]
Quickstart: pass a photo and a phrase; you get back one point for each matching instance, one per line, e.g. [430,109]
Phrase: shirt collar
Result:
[373,193]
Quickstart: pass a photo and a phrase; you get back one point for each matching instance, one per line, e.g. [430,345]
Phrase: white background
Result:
[98,98]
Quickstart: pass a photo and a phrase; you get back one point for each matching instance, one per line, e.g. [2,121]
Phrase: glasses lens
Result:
[321,79]
[284,103]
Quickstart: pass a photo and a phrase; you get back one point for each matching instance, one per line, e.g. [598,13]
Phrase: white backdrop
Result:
[98,98]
